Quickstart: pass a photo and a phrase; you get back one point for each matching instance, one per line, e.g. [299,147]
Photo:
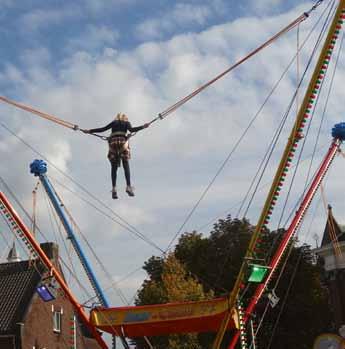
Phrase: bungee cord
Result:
[177,105]
[75,127]
[289,27]
[39,113]
[121,222]
[185,99]
[275,138]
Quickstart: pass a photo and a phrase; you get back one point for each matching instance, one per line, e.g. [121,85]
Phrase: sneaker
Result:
[129,190]
[114,194]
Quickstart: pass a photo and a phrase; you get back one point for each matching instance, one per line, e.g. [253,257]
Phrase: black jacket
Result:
[118,126]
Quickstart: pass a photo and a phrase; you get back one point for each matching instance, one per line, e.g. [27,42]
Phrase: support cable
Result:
[326,105]
[305,139]
[318,41]
[105,214]
[8,189]
[52,213]
[64,286]
[241,138]
[309,170]
[123,223]
[33,265]
[77,229]
[285,300]
[220,215]
[307,105]
[34,208]
[275,139]
[320,127]
[277,282]
[184,100]
[296,57]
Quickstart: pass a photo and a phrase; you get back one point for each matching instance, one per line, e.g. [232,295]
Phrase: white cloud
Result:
[38,19]
[182,14]
[98,6]
[175,158]
[94,37]
[264,5]
[36,57]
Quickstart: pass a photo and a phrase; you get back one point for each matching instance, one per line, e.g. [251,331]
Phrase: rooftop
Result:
[18,281]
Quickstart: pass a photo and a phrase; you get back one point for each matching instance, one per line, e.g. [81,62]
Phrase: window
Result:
[57,321]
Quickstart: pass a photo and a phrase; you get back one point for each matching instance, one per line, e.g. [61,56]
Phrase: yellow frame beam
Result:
[291,145]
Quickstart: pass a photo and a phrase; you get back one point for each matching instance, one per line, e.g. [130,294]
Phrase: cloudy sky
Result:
[84,61]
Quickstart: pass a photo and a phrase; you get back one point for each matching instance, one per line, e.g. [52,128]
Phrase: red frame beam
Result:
[290,232]
[46,261]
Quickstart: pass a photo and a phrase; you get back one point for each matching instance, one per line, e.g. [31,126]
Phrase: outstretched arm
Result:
[100,129]
[138,128]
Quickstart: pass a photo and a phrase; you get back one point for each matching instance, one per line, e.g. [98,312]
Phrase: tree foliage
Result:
[202,267]
[172,284]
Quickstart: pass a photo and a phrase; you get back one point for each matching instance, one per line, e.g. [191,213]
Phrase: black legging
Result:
[114,166]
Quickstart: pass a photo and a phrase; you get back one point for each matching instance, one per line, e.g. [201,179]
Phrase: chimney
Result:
[13,255]
[51,249]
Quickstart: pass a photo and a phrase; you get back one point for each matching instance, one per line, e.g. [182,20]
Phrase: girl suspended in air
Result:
[119,148]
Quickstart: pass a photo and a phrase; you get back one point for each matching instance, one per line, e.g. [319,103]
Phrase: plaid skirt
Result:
[118,149]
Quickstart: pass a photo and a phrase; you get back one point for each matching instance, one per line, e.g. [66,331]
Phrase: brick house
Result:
[26,321]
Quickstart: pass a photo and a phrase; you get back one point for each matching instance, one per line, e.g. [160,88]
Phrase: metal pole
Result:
[39,168]
[253,334]
[19,225]
[289,233]
[290,149]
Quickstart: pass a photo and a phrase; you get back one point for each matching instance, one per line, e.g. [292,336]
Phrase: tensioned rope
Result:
[290,64]
[332,228]
[106,272]
[174,107]
[39,271]
[305,139]
[123,223]
[321,123]
[54,219]
[242,202]
[292,25]
[40,113]
[307,234]
[294,270]
[82,287]
[319,39]
[184,100]
[8,189]
[34,207]
[178,104]
[242,137]
[296,96]
[237,204]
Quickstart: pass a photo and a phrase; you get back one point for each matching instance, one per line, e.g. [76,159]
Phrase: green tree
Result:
[172,284]
[303,311]
[213,263]
[216,259]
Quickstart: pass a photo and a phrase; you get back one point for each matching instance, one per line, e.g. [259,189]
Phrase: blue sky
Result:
[84,61]
[62,27]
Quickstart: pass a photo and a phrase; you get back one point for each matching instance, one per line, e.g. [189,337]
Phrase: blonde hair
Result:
[121,117]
